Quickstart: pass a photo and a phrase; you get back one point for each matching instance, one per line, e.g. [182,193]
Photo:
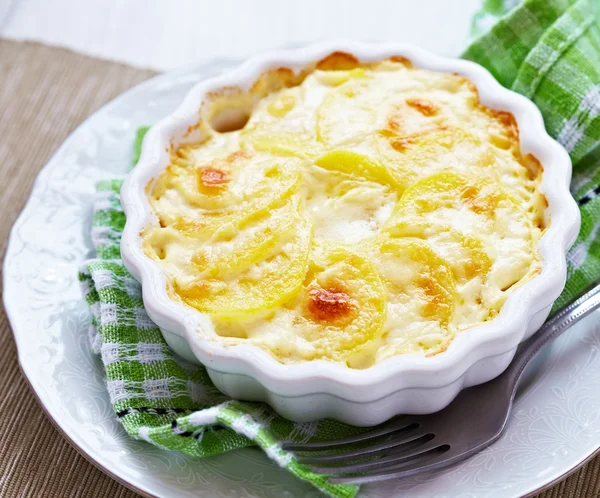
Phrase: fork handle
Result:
[551,330]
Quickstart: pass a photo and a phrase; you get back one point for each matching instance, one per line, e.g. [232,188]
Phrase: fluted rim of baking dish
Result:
[399,372]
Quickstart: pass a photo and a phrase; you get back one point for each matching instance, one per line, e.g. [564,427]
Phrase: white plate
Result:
[554,428]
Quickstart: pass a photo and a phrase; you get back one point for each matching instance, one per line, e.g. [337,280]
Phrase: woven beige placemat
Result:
[44,94]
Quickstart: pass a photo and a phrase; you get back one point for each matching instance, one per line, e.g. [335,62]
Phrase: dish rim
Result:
[401,371]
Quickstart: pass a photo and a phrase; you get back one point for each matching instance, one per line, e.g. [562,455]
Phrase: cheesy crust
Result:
[362,211]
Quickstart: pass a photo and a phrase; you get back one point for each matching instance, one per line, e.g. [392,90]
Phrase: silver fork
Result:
[416,444]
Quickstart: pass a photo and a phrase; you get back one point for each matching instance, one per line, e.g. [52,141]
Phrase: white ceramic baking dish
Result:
[402,384]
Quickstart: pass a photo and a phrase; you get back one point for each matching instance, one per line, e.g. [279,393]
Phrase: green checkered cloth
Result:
[548,50]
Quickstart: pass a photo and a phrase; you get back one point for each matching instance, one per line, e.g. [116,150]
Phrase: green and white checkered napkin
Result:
[548,50]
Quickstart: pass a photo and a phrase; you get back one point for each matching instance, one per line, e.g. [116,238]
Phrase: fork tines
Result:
[397,448]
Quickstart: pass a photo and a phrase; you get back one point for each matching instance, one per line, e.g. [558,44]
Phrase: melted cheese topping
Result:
[366,211]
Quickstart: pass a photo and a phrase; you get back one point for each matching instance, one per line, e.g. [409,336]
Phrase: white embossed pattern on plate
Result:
[555,425]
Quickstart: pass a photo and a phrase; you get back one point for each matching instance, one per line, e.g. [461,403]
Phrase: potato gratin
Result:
[363,211]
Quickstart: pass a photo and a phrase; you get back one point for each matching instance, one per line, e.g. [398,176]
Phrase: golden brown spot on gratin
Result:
[436,297]
[329,304]
[212,179]
[484,204]
[274,80]
[394,121]
[507,120]
[338,61]
[401,60]
[400,144]
[425,107]
[506,135]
